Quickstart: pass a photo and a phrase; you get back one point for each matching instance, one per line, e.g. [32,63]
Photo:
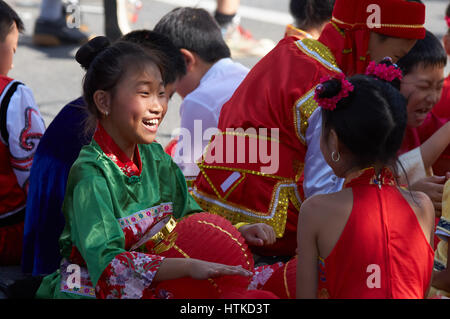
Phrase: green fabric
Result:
[99,193]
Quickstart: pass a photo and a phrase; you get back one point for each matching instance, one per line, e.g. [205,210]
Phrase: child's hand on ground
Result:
[200,269]
[258,234]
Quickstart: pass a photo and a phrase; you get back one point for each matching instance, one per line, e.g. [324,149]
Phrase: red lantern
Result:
[211,238]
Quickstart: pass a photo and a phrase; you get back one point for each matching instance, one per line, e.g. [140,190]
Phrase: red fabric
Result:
[409,24]
[171,146]
[442,108]
[11,244]
[414,137]
[116,154]
[186,240]
[269,106]
[283,281]
[382,230]
[12,196]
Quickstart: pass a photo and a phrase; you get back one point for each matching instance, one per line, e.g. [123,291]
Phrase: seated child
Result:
[21,127]
[44,220]
[372,239]
[123,190]
[423,78]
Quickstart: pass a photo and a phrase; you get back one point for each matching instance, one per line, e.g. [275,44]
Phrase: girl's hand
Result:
[258,234]
[200,269]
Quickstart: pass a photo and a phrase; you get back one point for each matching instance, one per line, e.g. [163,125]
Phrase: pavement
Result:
[55,77]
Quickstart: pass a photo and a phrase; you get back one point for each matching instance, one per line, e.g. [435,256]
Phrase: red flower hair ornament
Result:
[384,71]
[329,103]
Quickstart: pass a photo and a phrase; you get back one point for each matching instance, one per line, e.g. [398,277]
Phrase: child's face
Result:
[422,87]
[7,50]
[395,48]
[138,105]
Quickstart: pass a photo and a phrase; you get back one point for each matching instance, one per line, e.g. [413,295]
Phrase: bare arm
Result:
[175,268]
[432,148]
[307,275]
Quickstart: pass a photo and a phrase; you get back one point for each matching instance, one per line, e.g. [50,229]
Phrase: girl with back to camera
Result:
[125,194]
[371,239]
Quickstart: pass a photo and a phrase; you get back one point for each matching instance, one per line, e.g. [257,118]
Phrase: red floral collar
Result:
[110,148]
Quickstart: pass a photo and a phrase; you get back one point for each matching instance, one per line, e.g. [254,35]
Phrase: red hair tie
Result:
[447,19]
[331,102]
[384,72]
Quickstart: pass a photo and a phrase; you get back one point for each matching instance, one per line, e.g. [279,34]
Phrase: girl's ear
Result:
[333,141]
[189,58]
[102,100]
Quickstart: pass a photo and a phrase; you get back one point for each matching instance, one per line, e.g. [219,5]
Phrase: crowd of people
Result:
[321,172]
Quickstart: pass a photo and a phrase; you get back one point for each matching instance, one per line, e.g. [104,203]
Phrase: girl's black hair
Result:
[370,122]
[426,52]
[311,13]
[174,64]
[194,29]
[105,65]
[7,18]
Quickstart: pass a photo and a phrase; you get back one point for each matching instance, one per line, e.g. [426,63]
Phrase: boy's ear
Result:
[189,58]
[102,100]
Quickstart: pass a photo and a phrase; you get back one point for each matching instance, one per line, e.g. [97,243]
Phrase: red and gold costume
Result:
[382,251]
[278,93]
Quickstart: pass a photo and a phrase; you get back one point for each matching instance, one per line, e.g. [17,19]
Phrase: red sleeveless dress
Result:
[382,251]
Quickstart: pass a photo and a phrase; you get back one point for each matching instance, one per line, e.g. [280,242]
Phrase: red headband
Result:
[398,18]
[447,19]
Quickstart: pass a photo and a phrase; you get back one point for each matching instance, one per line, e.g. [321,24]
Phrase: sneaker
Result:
[55,33]
[242,44]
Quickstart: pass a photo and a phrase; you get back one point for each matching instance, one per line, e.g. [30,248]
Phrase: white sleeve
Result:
[412,163]
[25,128]
[319,178]
[198,124]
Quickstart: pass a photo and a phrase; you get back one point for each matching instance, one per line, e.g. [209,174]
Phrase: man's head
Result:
[196,34]
[311,15]
[10,27]
[172,61]
[423,77]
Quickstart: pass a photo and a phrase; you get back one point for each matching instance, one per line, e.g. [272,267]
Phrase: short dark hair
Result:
[173,62]
[426,52]
[370,122]
[7,18]
[311,13]
[194,29]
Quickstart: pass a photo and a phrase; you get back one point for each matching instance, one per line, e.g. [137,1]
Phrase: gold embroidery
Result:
[283,193]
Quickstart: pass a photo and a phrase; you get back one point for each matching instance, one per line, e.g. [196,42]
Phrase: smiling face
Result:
[8,49]
[422,87]
[135,108]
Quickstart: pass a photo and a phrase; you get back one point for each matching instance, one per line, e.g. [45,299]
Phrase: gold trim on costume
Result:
[386,25]
[276,216]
